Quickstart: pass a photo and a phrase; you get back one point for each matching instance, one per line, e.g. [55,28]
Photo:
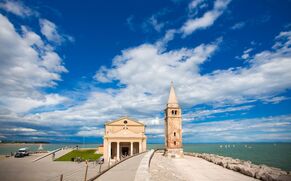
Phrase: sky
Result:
[67,68]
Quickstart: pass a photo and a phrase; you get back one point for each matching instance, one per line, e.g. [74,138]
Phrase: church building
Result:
[123,137]
[173,127]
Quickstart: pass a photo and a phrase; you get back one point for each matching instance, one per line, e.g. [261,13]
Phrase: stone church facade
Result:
[123,137]
[173,127]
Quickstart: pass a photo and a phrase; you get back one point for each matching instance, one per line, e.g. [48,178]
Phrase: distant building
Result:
[123,137]
[173,127]
[100,149]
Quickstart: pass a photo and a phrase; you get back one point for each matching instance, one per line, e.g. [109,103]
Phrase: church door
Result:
[124,151]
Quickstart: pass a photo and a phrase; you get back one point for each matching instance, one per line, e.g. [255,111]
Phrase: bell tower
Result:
[173,127]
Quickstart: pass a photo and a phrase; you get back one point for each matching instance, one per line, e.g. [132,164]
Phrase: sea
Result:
[271,154]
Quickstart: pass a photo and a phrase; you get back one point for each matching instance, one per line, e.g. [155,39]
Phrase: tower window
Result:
[174,112]
[174,142]
[174,133]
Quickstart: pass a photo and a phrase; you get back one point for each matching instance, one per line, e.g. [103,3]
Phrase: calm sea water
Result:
[275,154]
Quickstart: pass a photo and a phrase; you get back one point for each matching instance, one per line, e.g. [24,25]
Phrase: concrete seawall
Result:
[261,172]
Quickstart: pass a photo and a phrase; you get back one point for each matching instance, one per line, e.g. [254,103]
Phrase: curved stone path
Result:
[191,169]
[124,171]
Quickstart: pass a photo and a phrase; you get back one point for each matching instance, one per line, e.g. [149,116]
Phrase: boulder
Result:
[266,173]
[248,170]
[284,177]
[234,167]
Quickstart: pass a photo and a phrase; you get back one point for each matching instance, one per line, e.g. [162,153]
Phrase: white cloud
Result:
[17,8]
[31,38]
[13,130]
[246,54]
[169,36]
[206,113]
[283,40]
[101,75]
[24,104]
[27,65]
[150,64]
[254,129]
[19,129]
[149,69]
[90,131]
[206,20]
[52,62]
[238,25]
[153,21]
[152,121]
[129,22]
[275,100]
[50,31]
[195,3]
[155,130]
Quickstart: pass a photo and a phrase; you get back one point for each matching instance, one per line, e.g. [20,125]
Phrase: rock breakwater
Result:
[261,172]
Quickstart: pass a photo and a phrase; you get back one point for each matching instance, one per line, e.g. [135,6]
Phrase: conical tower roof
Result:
[172,101]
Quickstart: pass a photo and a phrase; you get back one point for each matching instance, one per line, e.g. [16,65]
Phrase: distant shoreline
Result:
[19,144]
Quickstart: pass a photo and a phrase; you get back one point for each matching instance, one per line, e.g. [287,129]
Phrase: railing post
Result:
[61,178]
[100,165]
[85,179]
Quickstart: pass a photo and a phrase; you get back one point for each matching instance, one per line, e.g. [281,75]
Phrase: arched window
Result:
[174,142]
[174,133]
[174,112]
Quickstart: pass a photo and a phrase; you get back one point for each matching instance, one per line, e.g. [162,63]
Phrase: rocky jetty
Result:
[261,172]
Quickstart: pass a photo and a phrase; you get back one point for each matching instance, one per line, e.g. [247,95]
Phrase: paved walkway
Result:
[25,169]
[124,171]
[191,169]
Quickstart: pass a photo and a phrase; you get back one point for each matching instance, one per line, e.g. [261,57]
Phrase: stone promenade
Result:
[124,171]
[191,169]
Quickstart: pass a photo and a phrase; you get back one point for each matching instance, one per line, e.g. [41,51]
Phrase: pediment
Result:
[124,133]
[124,120]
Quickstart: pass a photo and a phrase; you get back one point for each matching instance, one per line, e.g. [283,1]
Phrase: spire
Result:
[172,101]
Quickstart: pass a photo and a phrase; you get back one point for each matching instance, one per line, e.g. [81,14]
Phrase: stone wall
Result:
[261,172]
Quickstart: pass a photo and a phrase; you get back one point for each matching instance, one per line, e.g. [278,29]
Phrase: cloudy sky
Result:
[67,68]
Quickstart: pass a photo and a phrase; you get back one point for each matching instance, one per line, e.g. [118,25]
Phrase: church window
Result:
[125,122]
[174,142]
[174,133]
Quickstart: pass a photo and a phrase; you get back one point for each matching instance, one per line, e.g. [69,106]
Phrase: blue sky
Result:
[67,68]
